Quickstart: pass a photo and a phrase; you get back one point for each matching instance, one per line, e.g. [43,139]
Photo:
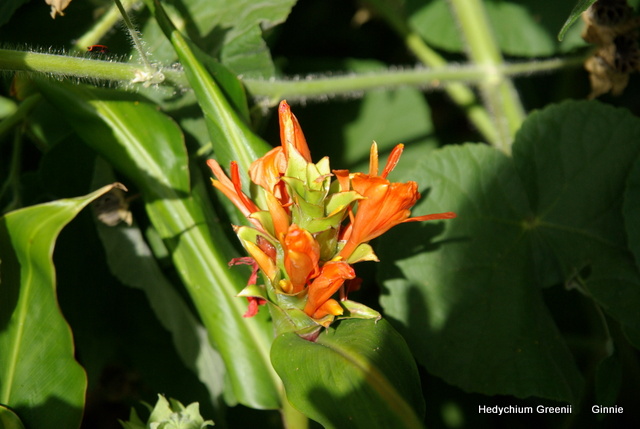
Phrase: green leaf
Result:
[574,160]
[631,210]
[39,377]
[131,260]
[170,415]
[242,22]
[580,7]
[608,381]
[232,31]
[467,292]
[154,157]
[9,420]
[7,9]
[231,137]
[359,374]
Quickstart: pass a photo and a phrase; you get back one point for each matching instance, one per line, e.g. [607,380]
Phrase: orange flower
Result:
[267,170]
[301,257]
[232,189]
[385,204]
[291,133]
[331,278]
[262,258]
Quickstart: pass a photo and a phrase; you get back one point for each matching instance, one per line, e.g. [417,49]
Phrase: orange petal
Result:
[267,170]
[332,276]
[291,132]
[393,160]
[278,215]
[373,160]
[231,190]
[329,307]
[266,264]
[302,253]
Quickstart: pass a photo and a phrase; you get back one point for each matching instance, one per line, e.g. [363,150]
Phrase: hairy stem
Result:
[498,91]
[294,89]
[103,25]
[461,94]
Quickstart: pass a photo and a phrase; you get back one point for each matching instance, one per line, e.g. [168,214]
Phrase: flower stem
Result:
[498,91]
[292,418]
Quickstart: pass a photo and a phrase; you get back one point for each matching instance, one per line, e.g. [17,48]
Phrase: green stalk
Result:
[498,91]
[102,26]
[316,86]
[78,67]
[292,418]
[462,95]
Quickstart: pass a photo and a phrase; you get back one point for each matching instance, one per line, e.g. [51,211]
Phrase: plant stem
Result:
[445,77]
[77,67]
[294,89]
[292,418]
[498,91]
[462,95]
[103,25]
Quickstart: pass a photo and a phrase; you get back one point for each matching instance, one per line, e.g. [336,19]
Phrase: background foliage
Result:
[530,297]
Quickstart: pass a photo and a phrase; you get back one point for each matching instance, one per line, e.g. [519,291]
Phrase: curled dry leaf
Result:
[57,6]
[113,207]
[611,26]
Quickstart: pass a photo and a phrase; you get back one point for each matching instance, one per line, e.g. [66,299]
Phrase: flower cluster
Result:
[308,225]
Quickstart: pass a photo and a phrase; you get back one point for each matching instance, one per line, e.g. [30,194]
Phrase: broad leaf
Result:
[131,260]
[231,137]
[39,377]
[9,419]
[467,293]
[154,157]
[359,374]
[230,31]
[241,23]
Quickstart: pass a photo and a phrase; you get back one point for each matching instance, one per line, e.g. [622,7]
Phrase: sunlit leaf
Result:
[231,137]
[45,388]
[131,261]
[359,374]
[154,158]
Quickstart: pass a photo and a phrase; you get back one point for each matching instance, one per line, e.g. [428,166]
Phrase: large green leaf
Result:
[231,137]
[148,147]
[359,374]
[239,25]
[131,260]
[39,377]
[467,293]
[9,419]
[230,31]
